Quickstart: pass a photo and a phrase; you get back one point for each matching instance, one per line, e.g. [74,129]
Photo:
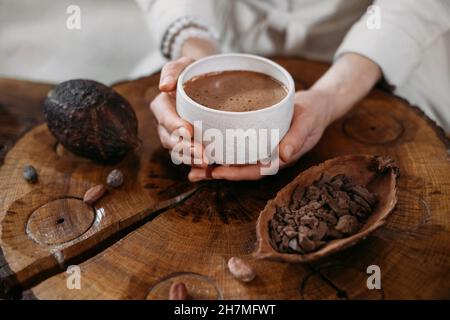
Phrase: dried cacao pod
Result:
[91,120]
[378,175]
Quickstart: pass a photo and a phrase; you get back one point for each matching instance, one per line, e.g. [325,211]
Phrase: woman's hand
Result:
[312,114]
[348,80]
[170,126]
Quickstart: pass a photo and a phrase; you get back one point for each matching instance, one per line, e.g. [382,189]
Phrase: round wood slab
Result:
[159,228]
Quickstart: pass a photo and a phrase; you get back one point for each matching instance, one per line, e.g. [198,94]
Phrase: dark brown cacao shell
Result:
[91,120]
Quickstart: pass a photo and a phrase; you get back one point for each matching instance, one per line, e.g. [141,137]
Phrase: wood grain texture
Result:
[194,239]
[63,180]
[20,103]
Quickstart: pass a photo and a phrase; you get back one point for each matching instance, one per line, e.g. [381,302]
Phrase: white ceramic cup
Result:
[208,121]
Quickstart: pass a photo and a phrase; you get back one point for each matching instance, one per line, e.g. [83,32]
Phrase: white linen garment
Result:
[411,45]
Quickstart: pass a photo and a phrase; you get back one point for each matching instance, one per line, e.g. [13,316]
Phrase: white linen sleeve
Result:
[161,14]
[406,29]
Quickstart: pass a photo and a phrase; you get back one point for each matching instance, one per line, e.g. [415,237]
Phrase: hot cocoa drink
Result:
[235,90]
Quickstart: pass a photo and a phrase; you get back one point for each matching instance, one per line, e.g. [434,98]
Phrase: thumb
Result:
[294,139]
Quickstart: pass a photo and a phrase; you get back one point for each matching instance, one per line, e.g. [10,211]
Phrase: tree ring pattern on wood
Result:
[409,264]
[232,202]
[373,128]
[410,219]
[199,287]
[60,221]
[28,219]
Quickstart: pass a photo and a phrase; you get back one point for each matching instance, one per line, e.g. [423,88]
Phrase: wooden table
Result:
[159,228]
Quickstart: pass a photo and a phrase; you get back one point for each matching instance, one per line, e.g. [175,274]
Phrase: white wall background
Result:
[112,45]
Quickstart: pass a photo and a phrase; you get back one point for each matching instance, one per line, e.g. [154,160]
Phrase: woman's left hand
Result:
[312,114]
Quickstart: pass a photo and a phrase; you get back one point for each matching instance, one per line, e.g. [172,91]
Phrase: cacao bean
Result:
[240,269]
[115,178]
[94,193]
[178,291]
[30,174]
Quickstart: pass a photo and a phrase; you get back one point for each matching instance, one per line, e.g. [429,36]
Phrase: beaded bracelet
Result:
[181,30]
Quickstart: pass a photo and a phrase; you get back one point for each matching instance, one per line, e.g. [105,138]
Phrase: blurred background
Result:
[113,43]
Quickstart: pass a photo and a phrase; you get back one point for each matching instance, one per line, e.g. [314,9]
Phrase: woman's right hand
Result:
[170,126]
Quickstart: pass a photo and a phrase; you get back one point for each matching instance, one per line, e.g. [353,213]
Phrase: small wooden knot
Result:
[373,128]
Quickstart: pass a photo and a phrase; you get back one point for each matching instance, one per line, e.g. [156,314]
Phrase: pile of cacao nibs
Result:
[330,208]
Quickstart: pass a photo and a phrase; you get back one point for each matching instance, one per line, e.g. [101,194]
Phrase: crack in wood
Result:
[224,199]
[27,99]
[10,288]
[342,294]
[319,272]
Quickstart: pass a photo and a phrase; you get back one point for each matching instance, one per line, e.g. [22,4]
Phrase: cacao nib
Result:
[313,193]
[330,208]
[290,232]
[334,234]
[327,216]
[306,244]
[347,224]
[365,194]
[304,231]
[319,232]
[364,205]
[293,245]
[309,221]
[297,194]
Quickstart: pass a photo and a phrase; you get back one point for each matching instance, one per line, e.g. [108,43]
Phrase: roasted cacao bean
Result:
[94,193]
[178,291]
[240,269]
[115,178]
[30,174]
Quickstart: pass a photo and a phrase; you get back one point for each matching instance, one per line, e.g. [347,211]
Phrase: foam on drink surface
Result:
[236,90]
